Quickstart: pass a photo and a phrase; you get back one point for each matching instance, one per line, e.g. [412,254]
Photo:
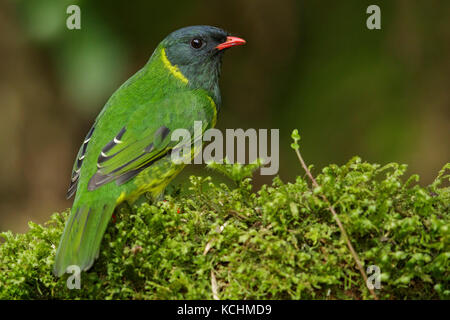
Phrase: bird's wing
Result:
[137,140]
[76,170]
[146,137]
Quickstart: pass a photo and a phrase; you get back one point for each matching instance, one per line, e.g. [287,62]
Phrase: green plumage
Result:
[127,151]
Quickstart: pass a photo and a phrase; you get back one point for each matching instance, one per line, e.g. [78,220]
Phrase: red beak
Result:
[231,42]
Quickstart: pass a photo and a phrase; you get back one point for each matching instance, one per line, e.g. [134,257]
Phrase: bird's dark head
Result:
[197,52]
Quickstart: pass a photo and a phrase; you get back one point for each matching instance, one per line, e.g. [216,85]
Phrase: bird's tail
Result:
[83,233]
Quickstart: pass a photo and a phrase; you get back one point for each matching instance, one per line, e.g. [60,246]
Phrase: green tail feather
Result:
[82,237]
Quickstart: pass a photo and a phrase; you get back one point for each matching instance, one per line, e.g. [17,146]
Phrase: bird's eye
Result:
[196,43]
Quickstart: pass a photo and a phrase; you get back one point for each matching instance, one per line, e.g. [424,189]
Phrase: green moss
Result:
[280,242]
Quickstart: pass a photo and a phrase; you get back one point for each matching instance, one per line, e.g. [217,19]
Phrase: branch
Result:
[295,146]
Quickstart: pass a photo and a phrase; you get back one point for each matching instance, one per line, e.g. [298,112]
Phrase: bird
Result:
[127,151]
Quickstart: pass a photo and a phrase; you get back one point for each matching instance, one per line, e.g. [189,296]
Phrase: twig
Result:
[209,244]
[214,286]
[338,221]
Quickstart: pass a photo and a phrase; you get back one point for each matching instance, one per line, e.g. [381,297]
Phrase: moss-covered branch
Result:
[280,242]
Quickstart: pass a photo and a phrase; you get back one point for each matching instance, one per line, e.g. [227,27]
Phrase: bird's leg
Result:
[159,197]
[144,198]
[123,207]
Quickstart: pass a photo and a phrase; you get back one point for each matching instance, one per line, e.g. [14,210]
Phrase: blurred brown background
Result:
[312,65]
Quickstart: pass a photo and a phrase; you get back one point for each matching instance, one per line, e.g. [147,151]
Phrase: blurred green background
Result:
[312,65]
